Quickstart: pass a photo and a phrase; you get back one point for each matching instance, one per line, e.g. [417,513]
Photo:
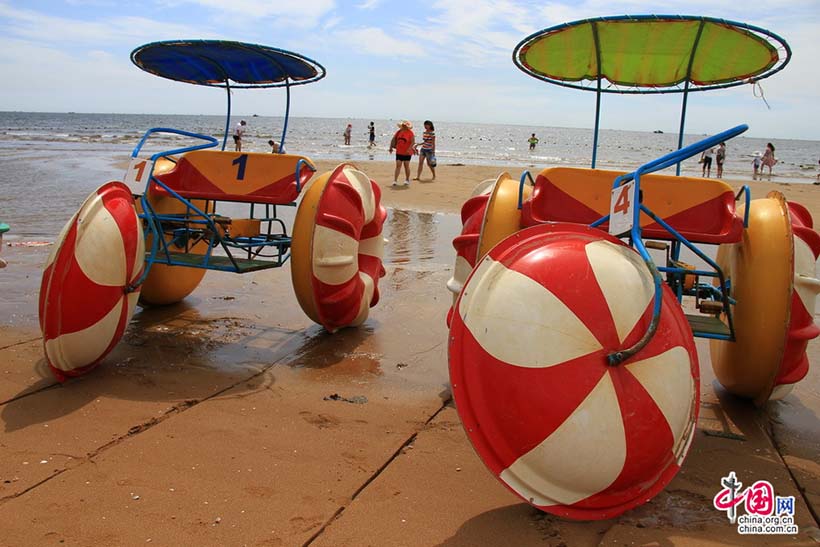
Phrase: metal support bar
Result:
[287,116]
[597,94]
[228,117]
[524,176]
[686,90]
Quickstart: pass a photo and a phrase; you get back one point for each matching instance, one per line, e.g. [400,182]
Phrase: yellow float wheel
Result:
[502,216]
[165,284]
[760,269]
[301,245]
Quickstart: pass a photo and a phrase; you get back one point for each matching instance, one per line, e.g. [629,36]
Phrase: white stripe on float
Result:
[100,250]
[668,380]
[335,256]
[133,297]
[372,246]
[519,322]
[582,457]
[625,282]
[780,391]
[59,242]
[361,183]
[805,281]
[367,296]
[460,274]
[139,252]
[81,348]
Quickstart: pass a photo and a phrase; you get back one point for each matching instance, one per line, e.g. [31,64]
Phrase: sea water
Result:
[49,162]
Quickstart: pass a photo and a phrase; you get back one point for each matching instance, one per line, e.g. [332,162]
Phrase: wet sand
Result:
[230,419]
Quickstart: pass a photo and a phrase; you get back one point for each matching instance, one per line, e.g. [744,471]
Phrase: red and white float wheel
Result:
[774,284]
[85,302]
[802,327]
[466,243]
[337,248]
[561,428]
[490,215]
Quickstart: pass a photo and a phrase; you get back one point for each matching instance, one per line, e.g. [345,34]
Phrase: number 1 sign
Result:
[621,209]
[138,170]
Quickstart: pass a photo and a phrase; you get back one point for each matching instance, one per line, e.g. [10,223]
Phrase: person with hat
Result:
[237,135]
[756,163]
[404,142]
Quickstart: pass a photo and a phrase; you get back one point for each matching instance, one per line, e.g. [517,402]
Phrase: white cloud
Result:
[369,4]
[478,33]
[46,29]
[306,11]
[374,41]
[331,22]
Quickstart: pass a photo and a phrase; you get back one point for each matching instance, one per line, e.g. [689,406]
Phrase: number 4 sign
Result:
[138,171]
[622,209]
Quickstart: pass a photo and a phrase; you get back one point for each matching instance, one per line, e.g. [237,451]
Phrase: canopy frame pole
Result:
[686,91]
[597,94]
[287,115]
[228,117]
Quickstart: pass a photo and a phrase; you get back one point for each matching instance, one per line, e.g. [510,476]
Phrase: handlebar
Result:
[679,155]
[211,142]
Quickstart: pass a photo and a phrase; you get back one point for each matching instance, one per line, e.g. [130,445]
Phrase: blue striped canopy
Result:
[220,63]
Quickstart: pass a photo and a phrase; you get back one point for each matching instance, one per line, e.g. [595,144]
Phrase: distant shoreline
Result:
[239,115]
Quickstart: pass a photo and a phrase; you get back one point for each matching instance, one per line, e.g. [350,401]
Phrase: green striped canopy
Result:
[652,54]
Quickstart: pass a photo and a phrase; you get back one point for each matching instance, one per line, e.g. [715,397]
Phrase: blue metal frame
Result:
[636,240]
[217,63]
[201,225]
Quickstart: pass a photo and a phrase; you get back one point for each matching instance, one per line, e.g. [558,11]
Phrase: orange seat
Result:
[701,210]
[236,176]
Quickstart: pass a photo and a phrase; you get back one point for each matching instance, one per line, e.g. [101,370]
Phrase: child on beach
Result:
[768,158]
[348,131]
[756,164]
[428,149]
[404,142]
[371,130]
[533,141]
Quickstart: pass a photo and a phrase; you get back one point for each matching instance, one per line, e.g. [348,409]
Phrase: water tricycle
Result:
[3,229]
[571,336]
[155,247]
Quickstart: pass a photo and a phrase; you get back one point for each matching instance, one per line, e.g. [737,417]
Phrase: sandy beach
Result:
[231,419]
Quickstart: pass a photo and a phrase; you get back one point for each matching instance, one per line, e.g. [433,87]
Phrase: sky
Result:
[445,60]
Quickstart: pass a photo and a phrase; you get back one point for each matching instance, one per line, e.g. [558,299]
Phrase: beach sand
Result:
[454,183]
[230,419]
